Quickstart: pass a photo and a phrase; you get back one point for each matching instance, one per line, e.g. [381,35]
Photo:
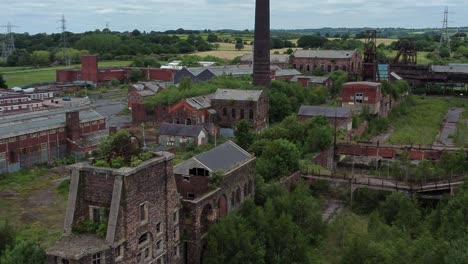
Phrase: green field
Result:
[32,203]
[422,56]
[18,76]
[422,121]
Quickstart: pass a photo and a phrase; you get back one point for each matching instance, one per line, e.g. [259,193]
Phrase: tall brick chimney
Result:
[261,68]
[89,68]
[72,125]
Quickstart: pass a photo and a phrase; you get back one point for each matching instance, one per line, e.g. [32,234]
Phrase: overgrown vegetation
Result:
[120,150]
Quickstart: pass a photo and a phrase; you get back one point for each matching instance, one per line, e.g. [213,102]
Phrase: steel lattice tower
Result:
[64,44]
[8,47]
[445,37]
[261,63]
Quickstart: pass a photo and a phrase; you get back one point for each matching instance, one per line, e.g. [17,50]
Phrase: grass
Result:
[37,207]
[18,76]
[421,122]
[422,56]
[228,51]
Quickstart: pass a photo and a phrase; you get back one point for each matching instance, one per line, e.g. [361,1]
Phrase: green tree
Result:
[243,133]
[135,75]
[24,252]
[212,37]
[232,241]
[185,84]
[279,158]
[40,58]
[239,44]
[3,83]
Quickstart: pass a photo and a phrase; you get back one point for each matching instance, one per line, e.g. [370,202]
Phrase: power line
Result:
[445,37]
[64,43]
[8,47]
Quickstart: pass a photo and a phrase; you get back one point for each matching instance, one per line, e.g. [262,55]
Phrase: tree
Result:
[243,134]
[311,41]
[212,37]
[40,58]
[135,75]
[24,252]
[279,158]
[239,44]
[3,83]
[232,241]
[185,83]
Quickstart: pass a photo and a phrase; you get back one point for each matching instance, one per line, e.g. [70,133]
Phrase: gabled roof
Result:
[237,95]
[312,79]
[274,58]
[370,84]
[180,130]
[324,54]
[312,111]
[225,157]
[200,102]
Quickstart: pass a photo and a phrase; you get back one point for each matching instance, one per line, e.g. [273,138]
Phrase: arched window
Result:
[224,111]
[301,68]
[242,114]
[238,195]
[176,120]
[329,68]
[233,113]
[295,66]
[246,191]
[250,187]
[344,68]
[352,66]
[251,114]
[308,68]
[188,122]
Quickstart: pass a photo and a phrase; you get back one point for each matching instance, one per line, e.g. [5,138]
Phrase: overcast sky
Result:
[83,15]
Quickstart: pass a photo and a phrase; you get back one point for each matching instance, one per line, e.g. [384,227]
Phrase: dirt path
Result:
[449,127]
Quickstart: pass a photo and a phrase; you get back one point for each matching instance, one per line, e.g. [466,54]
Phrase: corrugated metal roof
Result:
[237,95]
[180,130]
[274,58]
[312,111]
[287,72]
[26,124]
[312,79]
[454,68]
[200,102]
[324,54]
[225,157]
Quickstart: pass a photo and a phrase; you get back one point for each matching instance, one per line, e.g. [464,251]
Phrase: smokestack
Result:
[261,68]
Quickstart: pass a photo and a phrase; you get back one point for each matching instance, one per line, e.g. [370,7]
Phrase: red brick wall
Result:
[301,64]
[349,90]
[197,185]
[89,68]
[66,76]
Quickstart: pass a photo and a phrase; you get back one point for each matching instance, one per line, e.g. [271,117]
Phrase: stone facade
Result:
[140,206]
[232,110]
[330,61]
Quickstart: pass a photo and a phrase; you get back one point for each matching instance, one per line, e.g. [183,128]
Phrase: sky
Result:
[37,16]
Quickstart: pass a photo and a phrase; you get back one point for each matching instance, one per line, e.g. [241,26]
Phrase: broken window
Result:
[199,172]
[96,258]
[144,213]
[144,248]
[358,98]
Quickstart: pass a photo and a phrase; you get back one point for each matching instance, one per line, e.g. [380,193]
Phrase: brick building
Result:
[139,91]
[314,81]
[204,202]
[15,103]
[140,207]
[279,60]
[342,117]
[146,209]
[357,95]
[349,61]
[181,135]
[38,137]
[91,72]
[232,106]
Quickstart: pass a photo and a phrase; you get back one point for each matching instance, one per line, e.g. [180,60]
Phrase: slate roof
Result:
[225,157]
[452,68]
[237,95]
[287,72]
[371,84]
[312,111]
[324,54]
[274,58]
[146,93]
[75,247]
[200,102]
[180,130]
[17,125]
[312,79]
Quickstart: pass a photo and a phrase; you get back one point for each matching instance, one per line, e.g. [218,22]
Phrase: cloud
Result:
[41,16]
